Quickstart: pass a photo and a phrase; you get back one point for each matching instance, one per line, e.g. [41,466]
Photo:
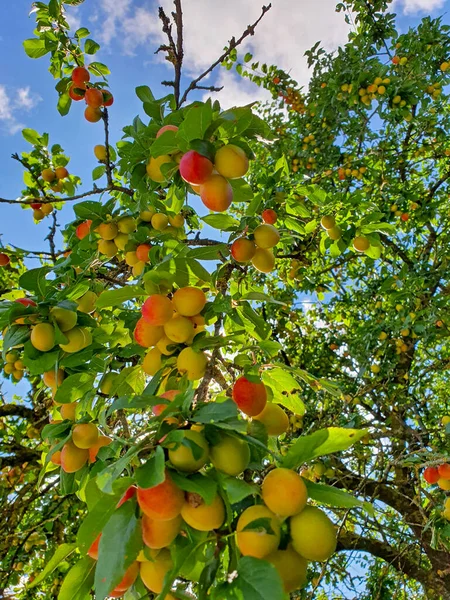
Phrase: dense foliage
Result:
[309,335]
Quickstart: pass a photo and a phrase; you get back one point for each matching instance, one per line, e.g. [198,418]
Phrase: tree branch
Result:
[232,45]
[16,410]
[51,199]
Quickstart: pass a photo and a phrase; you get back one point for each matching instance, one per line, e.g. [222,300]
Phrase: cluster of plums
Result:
[334,232]
[258,247]
[14,366]
[166,511]
[94,97]
[167,323]
[439,475]
[207,178]
[43,332]
[114,236]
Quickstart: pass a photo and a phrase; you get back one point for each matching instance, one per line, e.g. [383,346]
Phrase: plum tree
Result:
[73,457]
[216,193]
[43,337]
[66,319]
[192,363]
[257,347]
[157,310]
[243,250]
[154,167]
[85,435]
[291,566]
[195,168]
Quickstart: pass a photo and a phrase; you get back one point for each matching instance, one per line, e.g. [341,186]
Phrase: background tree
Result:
[347,327]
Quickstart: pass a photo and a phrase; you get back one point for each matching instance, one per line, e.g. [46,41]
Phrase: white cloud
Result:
[113,14]
[73,19]
[25,99]
[282,37]
[236,91]
[12,102]
[415,6]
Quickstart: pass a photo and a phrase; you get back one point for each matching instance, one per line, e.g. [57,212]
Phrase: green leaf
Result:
[100,513]
[34,280]
[64,104]
[98,69]
[82,32]
[56,431]
[107,477]
[208,252]
[221,221]
[98,172]
[78,581]
[260,297]
[326,494]
[74,387]
[242,191]
[31,136]
[118,297]
[197,120]
[320,443]
[89,210]
[62,552]
[119,546]
[198,484]
[258,580]
[285,389]
[15,336]
[35,48]
[152,473]
[91,47]
[144,93]
[237,489]
[164,144]
[214,412]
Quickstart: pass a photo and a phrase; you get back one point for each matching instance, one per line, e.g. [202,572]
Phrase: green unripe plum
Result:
[313,534]
[231,455]
[126,225]
[87,302]
[291,567]
[186,458]
[266,236]
[65,318]
[107,383]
